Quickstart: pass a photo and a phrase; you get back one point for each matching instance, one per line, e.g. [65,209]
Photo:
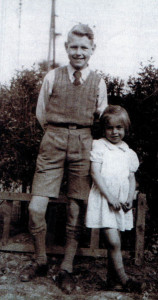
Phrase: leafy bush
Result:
[20,132]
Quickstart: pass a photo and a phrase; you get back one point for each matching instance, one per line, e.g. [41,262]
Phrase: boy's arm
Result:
[43,98]
[103,188]
[102,100]
[40,109]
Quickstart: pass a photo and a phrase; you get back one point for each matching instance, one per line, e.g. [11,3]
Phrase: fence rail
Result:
[8,244]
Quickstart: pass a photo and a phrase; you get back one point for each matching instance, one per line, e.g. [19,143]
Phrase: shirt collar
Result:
[84,73]
[123,146]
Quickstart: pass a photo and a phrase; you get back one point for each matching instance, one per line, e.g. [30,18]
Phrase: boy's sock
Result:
[40,266]
[40,247]
[71,247]
[70,252]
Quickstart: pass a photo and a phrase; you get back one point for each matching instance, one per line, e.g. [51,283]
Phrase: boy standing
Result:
[68,99]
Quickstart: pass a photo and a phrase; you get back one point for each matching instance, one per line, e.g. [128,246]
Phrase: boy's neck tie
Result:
[77,75]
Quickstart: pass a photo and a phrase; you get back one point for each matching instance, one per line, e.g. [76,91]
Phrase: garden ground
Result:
[89,275]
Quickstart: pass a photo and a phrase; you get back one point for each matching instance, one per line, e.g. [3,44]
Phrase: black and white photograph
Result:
[78,149]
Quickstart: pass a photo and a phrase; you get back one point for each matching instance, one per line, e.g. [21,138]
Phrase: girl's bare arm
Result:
[132,187]
[101,184]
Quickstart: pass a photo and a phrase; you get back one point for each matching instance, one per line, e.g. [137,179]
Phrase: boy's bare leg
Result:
[37,226]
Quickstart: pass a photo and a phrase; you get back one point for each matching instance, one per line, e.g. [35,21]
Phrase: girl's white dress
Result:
[117,161]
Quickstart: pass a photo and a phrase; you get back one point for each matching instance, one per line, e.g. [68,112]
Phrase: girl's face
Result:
[115,131]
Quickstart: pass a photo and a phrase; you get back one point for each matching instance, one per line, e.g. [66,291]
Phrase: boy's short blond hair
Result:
[81,30]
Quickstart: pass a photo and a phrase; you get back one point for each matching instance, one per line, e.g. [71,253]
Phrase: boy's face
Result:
[79,50]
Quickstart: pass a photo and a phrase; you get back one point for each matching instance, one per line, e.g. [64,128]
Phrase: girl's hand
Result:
[127,206]
[114,203]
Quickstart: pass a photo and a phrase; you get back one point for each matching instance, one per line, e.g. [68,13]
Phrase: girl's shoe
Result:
[113,285]
[130,286]
[134,286]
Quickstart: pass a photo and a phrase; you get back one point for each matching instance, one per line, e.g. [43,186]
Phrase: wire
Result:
[19,33]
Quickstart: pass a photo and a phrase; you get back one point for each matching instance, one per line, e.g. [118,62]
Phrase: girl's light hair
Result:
[115,110]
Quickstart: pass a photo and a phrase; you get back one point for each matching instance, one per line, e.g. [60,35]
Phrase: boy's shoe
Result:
[33,270]
[65,281]
[134,286]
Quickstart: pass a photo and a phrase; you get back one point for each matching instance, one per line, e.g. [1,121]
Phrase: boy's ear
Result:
[66,45]
[94,47]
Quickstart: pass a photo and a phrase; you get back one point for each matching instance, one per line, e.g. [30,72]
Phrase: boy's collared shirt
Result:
[47,87]
[84,73]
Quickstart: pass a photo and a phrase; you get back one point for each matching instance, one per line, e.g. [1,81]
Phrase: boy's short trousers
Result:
[57,146]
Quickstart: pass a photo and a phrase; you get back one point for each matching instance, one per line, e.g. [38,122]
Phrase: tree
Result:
[144,85]
[115,85]
[142,103]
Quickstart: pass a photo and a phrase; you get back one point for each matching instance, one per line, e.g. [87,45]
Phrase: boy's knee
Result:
[37,213]
[73,213]
[38,205]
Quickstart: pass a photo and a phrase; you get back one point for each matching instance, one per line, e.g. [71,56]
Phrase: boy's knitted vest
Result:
[72,104]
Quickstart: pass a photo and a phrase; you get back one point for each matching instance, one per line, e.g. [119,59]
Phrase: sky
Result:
[126,33]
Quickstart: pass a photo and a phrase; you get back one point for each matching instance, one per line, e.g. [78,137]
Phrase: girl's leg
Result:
[114,254]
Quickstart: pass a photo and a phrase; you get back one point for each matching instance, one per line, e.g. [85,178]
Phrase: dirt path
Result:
[89,273]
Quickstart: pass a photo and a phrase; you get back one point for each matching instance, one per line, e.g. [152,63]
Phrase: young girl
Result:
[111,196]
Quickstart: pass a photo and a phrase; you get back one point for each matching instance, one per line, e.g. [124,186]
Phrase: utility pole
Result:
[52,37]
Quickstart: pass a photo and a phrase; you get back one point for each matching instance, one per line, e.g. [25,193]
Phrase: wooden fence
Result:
[14,244]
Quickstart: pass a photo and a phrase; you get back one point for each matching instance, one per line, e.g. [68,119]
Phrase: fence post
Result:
[140,229]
